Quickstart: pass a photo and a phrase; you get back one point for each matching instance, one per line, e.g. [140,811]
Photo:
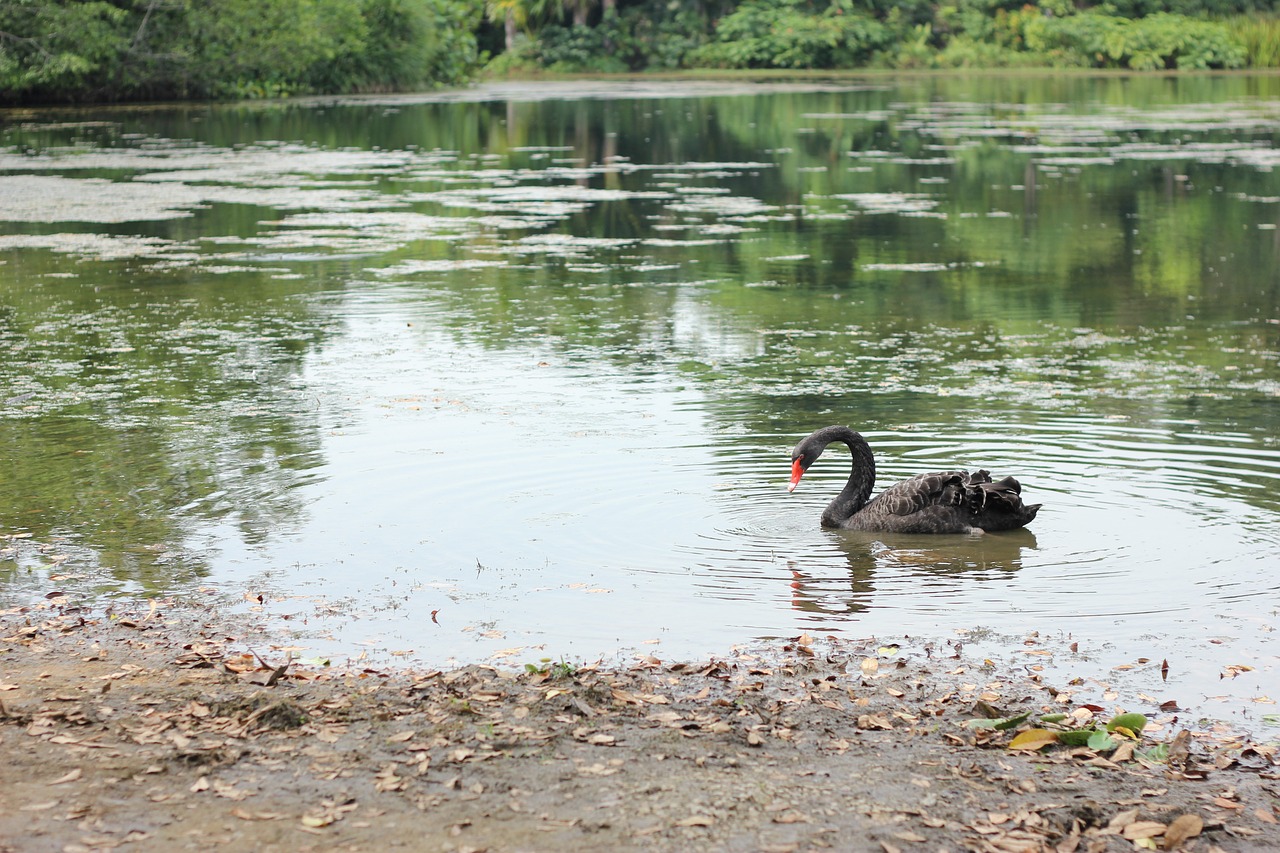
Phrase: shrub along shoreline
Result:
[122,50]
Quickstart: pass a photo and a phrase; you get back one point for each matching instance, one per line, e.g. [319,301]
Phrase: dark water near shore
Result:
[533,357]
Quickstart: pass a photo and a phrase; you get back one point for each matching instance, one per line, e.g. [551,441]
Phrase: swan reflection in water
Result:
[890,557]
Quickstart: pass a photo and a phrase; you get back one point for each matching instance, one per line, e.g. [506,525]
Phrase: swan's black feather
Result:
[937,502]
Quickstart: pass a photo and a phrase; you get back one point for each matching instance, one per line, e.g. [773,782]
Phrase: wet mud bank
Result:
[168,726]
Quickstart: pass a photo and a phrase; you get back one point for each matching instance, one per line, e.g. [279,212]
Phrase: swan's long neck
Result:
[861,479]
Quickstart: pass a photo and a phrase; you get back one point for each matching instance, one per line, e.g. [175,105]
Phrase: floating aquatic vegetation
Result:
[542,200]
[722,205]
[105,247]
[52,198]
[413,267]
[402,223]
[672,243]
[890,202]
[565,244]
[920,267]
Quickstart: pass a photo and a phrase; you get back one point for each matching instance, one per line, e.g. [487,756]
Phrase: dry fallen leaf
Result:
[1120,820]
[1143,829]
[1183,827]
[70,777]
[874,721]
[697,820]
[1033,739]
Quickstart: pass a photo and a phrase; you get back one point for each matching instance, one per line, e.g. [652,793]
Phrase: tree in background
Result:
[131,49]
[636,35]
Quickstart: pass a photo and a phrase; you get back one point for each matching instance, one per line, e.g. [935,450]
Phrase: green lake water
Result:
[532,357]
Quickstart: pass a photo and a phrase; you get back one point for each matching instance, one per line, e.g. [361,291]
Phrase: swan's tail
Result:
[1001,499]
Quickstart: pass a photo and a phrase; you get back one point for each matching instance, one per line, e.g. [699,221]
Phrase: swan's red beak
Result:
[797,471]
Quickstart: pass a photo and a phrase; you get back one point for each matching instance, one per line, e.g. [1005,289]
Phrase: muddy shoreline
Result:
[167,726]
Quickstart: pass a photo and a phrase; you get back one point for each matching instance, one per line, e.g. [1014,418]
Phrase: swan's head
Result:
[797,471]
[810,448]
[805,454]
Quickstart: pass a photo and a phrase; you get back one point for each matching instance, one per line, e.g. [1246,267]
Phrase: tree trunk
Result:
[510,26]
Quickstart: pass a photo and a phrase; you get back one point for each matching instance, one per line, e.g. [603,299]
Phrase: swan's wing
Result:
[939,488]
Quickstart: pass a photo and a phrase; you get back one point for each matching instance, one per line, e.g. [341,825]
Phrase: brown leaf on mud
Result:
[229,791]
[1140,829]
[1183,827]
[696,820]
[240,813]
[241,664]
[874,721]
[70,777]
[330,733]
[386,780]
[625,698]
[1034,739]
[597,770]
[1119,821]
[913,837]
[266,677]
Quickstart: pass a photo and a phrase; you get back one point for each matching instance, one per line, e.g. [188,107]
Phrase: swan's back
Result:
[946,502]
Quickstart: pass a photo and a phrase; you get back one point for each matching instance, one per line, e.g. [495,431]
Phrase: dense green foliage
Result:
[1144,44]
[792,34]
[126,49]
[636,35]
[131,49]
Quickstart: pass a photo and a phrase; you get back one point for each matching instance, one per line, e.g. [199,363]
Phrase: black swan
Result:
[940,502]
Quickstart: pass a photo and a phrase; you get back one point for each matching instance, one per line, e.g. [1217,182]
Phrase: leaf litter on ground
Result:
[923,747]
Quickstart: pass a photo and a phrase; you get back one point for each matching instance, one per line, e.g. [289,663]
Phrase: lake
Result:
[513,372]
